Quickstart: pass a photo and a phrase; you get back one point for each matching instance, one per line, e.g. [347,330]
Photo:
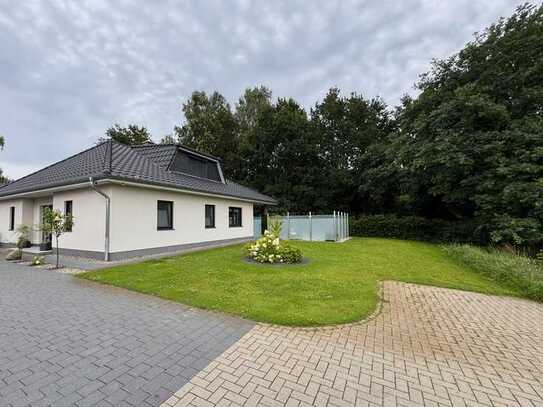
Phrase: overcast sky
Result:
[68,70]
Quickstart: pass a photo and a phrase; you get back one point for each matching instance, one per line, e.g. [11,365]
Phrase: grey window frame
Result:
[170,204]
[212,225]
[11,218]
[71,211]
[230,208]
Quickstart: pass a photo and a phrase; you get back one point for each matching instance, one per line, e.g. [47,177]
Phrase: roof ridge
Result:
[179,145]
[57,162]
[108,157]
[147,145]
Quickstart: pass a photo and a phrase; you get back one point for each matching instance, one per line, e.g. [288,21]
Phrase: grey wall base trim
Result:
[165,250]
[88,254]
[11,245]
[8,245]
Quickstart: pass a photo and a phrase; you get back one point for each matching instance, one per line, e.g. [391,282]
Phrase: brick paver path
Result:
[429,346]
[64,341]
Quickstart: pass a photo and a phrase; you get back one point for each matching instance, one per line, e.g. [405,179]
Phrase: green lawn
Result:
[339,284]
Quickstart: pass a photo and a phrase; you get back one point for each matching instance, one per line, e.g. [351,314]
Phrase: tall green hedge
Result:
[417,228]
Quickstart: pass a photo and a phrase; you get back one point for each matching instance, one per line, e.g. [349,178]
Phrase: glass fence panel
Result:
[257,227]
[323,228]
[299,228]
[318,227]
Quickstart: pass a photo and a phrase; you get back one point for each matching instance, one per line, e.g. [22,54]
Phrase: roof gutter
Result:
[108,206]
[152,185]
[121,181]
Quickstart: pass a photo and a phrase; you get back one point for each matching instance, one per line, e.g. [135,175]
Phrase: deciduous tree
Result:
[131,135]
[472,141]
[210,127]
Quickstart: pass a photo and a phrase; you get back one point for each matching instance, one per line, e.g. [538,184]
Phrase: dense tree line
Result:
[468,147]
[309,161]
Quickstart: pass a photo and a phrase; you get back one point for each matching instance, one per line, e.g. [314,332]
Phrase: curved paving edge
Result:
[428,346]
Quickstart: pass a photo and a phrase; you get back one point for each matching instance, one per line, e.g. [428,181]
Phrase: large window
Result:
[11,217]
[198,166]
[68,210]
[234,217]
[210,216]
[164,215]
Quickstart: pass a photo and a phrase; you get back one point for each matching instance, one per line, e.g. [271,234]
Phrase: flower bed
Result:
[270,249]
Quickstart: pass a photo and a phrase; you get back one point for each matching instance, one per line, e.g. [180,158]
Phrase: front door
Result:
[46,238]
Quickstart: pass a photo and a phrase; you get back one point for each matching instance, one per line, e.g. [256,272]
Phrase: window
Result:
[11,217]
[164,215]
[234,217]
[194,165]
[68,210]
[210,216]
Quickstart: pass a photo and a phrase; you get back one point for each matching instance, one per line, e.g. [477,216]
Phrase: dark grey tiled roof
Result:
[146,164]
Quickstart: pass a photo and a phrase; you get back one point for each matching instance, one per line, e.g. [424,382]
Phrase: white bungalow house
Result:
[130,201]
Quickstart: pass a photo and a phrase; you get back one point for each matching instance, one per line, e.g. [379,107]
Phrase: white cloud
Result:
[68,70]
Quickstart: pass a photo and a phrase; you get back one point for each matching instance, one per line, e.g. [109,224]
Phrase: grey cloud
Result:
[68,69]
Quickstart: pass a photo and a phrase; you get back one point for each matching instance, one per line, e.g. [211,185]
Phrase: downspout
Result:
[108,202]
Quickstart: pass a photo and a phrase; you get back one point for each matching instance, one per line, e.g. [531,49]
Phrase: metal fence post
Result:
[343,225]
[340,220]
[339,226]
[344,228]
[335,227]
[310,227]
[288,225]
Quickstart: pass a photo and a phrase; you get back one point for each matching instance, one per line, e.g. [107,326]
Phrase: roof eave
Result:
[168,186]
[105,178]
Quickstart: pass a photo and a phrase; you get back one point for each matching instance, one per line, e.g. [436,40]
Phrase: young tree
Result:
[168,139]
[56,223]
[131,135]
[3,178]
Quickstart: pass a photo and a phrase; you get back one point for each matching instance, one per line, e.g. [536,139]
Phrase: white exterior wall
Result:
[23,215]
[89,211]
[134,219]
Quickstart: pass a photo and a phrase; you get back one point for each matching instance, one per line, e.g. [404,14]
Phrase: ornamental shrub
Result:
[14,254]
[270,249]
[418,228]
[37,261]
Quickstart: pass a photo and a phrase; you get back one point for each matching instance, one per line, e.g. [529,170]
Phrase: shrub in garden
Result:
[23,236]
[37,261]
[418,228]
[270,249]
[14,254]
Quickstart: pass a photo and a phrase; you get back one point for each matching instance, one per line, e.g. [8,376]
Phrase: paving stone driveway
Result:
[429,346]
[64,341]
